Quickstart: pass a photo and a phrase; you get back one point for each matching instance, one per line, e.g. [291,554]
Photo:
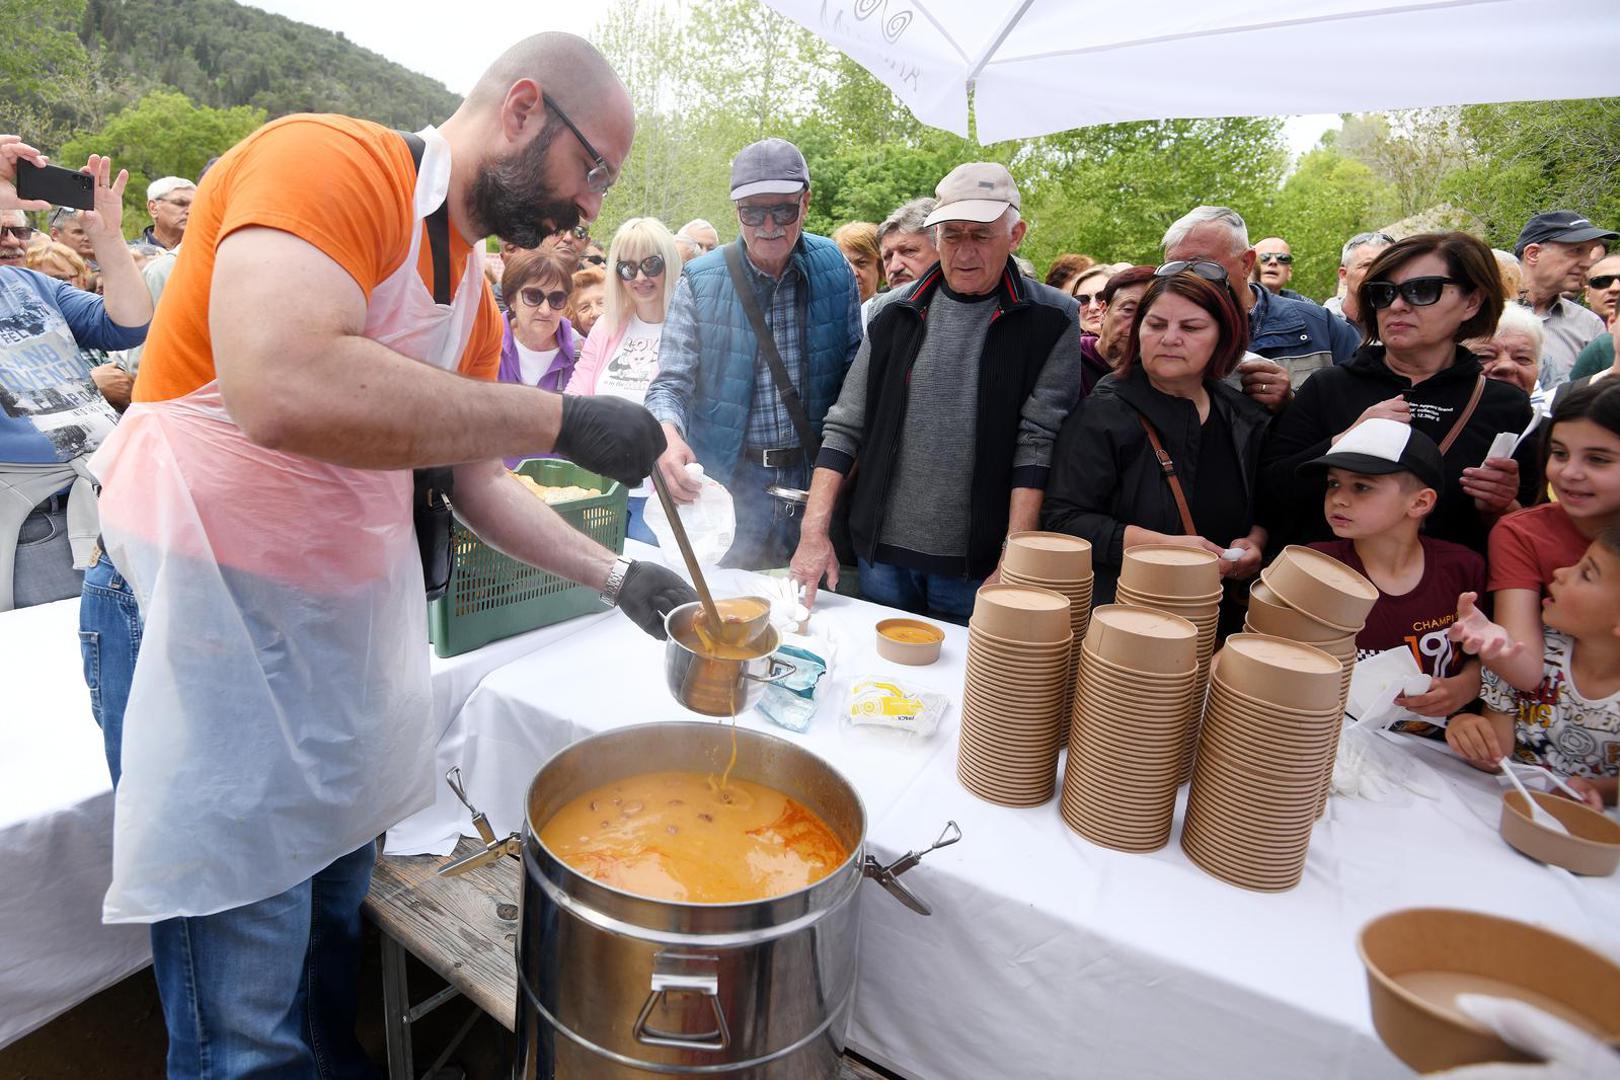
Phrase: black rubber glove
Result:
[611,436]
[650,592]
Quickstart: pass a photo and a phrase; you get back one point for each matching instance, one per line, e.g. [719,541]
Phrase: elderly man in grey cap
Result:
[755,347]
[951,409]
[1555,252]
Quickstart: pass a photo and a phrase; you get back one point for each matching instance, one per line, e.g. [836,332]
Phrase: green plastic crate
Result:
[492,596]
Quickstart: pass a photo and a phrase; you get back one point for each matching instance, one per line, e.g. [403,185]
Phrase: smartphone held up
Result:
[56,185]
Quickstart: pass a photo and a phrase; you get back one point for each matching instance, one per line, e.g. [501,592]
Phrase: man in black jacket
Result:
[951,408]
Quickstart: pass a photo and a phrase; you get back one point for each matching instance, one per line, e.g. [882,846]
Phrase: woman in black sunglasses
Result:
[620,357]
[1420,299]
[538,347]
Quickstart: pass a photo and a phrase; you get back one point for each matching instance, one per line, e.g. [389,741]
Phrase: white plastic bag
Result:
[711,523]
[886,704]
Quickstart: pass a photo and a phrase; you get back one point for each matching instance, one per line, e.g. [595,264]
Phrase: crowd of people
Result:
[885,404]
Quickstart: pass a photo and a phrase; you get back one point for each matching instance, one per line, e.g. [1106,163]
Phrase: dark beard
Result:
[510,198]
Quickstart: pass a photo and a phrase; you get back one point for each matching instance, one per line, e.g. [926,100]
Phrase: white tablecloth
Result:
[1048,956]
[56,806]
[55,828]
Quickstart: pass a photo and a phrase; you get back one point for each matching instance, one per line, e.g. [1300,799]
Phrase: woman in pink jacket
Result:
[621,355]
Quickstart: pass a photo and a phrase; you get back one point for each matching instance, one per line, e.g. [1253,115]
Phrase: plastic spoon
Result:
[1559,781]
[1537,814]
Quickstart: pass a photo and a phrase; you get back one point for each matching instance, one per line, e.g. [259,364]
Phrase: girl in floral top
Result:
[1570,723]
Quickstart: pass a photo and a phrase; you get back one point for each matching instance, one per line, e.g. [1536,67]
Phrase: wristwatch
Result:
[615,581]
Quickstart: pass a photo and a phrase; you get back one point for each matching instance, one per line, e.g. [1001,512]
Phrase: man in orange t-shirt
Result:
[325,331]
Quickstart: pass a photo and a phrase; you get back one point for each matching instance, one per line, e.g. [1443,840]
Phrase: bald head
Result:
[568,68]
[539,140]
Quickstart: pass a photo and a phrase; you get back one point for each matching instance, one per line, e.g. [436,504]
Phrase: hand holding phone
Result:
[56,185]
[12,151]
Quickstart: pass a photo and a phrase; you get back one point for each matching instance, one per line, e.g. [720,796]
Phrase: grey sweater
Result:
[931,491]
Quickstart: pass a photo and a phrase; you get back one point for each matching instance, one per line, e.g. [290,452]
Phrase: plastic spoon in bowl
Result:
[1537,813]
[1561,784]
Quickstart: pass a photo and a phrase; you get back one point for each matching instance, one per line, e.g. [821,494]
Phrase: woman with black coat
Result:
[1420,298]
[1107,484]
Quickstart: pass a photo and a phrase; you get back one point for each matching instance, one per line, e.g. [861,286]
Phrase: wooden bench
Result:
[465,929]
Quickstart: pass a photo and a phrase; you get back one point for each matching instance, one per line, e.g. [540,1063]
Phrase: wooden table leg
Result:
[396,1004]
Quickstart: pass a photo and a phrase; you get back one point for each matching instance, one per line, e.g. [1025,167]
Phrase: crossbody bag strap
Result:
[1464,416]
[767,347]
[438,227]
[1169,468]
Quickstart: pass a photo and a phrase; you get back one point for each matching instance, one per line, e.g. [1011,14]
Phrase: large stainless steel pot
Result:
[716,687]
[614,986]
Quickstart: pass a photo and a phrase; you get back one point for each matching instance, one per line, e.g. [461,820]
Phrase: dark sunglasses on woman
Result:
[593,260]
[781,213]
[651,266]
[1418,291]
[534,296]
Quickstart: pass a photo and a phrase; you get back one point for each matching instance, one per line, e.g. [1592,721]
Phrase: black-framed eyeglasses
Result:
[1208,269]
[1418,291]
[600,178]
[781,213]
[651,266]
[534,296]
[17,232]
[1275,257]
[1602,281]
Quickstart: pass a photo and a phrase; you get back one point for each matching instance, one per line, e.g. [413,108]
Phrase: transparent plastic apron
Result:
[279,715]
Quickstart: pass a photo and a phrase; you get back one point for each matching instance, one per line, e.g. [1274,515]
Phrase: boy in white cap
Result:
[1383,479]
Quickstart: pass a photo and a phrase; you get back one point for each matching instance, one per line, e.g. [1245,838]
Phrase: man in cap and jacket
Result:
[951,410]
[752,416]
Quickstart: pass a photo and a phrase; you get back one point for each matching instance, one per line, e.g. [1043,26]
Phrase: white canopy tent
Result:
[1039,66]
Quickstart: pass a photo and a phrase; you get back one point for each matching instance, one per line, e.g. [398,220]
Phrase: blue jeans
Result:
[636,527]
[767,527]
[919,592]
[268,990]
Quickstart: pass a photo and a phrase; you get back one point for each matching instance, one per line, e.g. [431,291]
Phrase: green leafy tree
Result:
[164,134]
[1110,191]
[1326,200]
[1531,156]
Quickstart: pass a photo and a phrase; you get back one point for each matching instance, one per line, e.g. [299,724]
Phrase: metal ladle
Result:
[739,632]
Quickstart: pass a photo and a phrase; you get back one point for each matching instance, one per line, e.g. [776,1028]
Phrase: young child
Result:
[1570,722]
[1383,479]
[1582,465]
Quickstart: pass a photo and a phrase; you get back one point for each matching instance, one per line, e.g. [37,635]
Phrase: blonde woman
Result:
[61,262]
[621,355]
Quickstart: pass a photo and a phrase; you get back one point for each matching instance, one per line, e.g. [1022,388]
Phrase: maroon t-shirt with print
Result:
[1420,618]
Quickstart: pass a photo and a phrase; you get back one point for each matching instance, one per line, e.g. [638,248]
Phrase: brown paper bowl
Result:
[1090,659]
[1143,639]
[1020,613]
[1281,672]
[1170,570]
[909,652]
[981,638]
[1128,595]
[1269,615]
[1321,586]
[1497,956]
[1050,556]
[1592,846]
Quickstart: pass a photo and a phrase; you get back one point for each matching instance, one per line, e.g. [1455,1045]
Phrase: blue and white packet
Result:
[791,702]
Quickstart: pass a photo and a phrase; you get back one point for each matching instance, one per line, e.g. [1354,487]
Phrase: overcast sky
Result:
[456,49]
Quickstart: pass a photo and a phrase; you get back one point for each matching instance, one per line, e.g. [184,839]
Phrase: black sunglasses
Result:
[1602,281]
[1085,299]
[1207,269]
[21,232]
[652,266]
[593,260]
[534,296]
[599,178]
[1418,291]
[781,213]
[1275,256]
